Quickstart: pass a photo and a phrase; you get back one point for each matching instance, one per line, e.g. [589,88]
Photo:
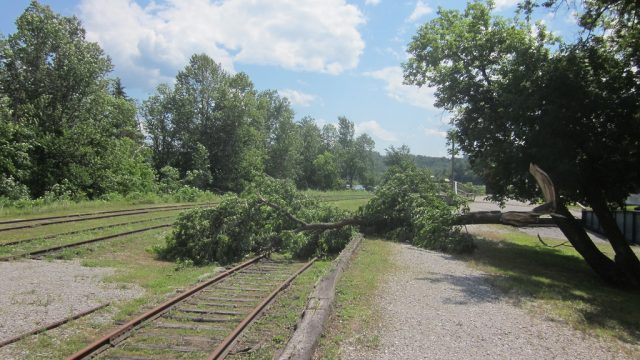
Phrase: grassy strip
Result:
[72,238]
[270,332]
[556,283]
[355,310]
[64,207]
[82,226]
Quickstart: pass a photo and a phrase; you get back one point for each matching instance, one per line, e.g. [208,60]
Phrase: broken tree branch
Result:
[519,218]
[304,226]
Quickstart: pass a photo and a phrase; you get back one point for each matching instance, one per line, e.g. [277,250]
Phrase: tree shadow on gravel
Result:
[562,282]
[474,289]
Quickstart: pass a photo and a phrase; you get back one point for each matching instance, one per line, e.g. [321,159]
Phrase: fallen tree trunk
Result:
[513,218]
[519,218]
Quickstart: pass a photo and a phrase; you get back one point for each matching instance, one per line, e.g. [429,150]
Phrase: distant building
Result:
[633,199]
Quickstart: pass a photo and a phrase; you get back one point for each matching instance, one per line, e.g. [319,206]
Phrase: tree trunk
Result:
[625,258]
[513,218]
[606,268]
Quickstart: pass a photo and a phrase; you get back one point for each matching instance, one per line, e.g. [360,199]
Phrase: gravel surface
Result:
[35,293]
[436,307]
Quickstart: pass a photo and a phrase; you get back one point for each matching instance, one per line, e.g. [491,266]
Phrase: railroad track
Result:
[115,213]
[14,221]
[203,322]
[44,251]
[52,236]
[44,221]
[61,219]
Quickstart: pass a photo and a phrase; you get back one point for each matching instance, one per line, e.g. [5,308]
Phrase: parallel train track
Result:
[203,322]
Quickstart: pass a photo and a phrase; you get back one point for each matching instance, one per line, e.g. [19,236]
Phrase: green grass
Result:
[336,193]
[37,209]
[272,331]
[557,283]
[355,310]
[349,200]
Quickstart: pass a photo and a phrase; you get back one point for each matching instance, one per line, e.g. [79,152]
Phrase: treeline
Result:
[440,167]
[67,129]
[219,132]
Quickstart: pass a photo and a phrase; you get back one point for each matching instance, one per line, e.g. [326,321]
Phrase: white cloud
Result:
[158,38]
[372,2]
[502,4]
[374,129]
[419,11]
[434,132]
[422,97]
[297,97]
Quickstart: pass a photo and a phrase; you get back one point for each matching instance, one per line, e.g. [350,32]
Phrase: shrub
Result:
[409,206]
[244,223]
[12,190]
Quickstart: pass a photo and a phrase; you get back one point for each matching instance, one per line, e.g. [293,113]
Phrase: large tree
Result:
[57,87]
[520,96]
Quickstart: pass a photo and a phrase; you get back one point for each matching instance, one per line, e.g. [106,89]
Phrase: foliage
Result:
[326,175]
[511,87]
[168,180]
[12,190]
[244,223]
[410,206]
[58,120]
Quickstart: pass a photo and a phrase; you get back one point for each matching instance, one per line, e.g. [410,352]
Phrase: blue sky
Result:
[329,57]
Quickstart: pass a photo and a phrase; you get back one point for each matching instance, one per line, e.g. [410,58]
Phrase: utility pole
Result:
[453,155]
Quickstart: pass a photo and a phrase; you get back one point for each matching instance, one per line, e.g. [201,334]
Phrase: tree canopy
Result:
[57,113]
[519,96]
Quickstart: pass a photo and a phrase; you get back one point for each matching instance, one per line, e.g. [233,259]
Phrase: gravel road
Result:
[35,293]
[436,307]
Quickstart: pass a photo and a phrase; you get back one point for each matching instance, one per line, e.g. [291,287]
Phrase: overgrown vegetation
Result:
[410,206]
[272,215]
[264,217]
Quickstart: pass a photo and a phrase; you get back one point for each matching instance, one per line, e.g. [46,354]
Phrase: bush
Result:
[12,190]
[244,223]
[409,206]
[64,191]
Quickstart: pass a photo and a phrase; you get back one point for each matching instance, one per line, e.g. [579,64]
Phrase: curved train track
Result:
[203,322]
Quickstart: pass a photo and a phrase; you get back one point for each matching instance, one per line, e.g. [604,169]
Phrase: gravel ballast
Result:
[436,307]
[35,293]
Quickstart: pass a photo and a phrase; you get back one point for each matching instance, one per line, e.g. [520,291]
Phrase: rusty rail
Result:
[117,334]
[65,246]
[93,218]
[52,325]
[51,236]
[224,347]
[15,221]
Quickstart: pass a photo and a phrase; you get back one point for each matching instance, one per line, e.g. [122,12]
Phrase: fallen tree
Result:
[271,215]
[519,218]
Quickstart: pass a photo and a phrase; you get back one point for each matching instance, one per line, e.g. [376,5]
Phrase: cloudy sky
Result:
[329,57]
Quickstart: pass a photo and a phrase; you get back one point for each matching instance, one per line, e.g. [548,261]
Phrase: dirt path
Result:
[436,307]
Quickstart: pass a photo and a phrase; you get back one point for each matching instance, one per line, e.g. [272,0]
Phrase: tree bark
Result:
[625,258]
[603,266]
[513,218]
